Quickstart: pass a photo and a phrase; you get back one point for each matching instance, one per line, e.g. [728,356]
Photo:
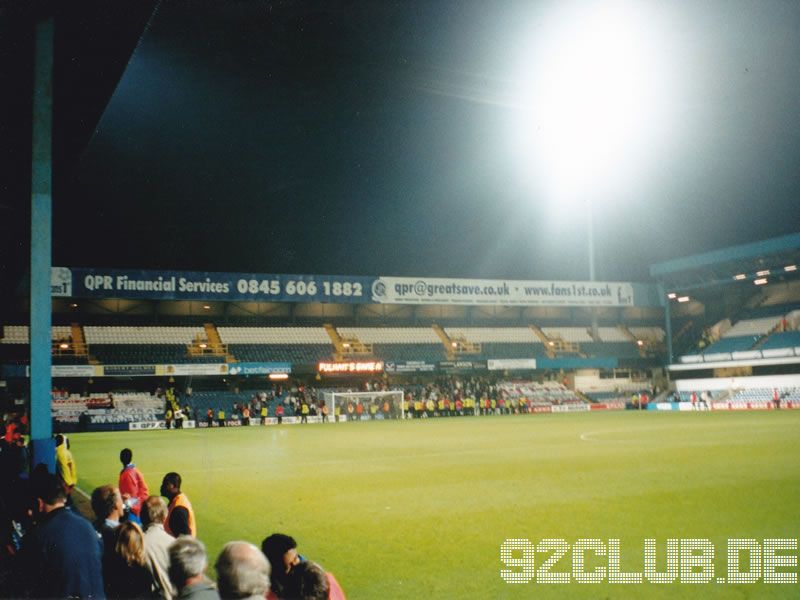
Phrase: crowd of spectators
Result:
[443,397]
[138,546]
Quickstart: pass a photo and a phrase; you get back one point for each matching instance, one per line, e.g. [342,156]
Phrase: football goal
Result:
[394,399]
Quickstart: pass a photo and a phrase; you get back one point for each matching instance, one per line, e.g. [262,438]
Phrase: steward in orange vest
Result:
[180,518]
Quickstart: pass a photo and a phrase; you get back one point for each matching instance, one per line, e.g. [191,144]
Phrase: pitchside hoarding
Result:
[254,287]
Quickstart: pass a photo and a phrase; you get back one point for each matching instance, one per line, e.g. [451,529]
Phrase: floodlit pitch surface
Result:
[419,509]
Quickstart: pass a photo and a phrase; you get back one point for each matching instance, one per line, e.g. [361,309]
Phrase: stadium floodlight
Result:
[683,299]
[596,88]
[672,295]
[763,273]
[761,281]
[740,277]
[789,268]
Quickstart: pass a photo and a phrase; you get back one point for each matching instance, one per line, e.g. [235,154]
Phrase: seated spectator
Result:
[242,572]
[309,581]
[157,543]
[187,570]
[61,555]
[125,571]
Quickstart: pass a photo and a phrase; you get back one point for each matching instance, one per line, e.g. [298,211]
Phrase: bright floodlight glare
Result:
[740,276]
[789,268]
[672,295]
[763,273]
[683,299]
[595,91]
[762,281]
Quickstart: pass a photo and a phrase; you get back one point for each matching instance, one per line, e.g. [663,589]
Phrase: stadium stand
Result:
[293,344]
[398,343]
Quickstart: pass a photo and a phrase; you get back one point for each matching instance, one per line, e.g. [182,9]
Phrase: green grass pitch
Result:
[419,509]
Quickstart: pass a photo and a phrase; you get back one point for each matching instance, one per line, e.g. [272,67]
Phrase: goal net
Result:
[374,405]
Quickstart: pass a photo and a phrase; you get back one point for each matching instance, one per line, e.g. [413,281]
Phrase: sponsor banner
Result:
[672,406]
[462,365]
[75,370]
[662,406]
[202,285]
[577,362]
[128,370]
[511,364]
[410,290]
[369,366]
[261,287]
[258,368]
[60,282]
[612,405]
[541,409]
[572,407]
[256,421]
[188,369]
[143,425]
[410,366]
[758,405]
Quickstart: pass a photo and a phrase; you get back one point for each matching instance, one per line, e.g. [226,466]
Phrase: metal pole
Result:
[667,319]
[592,275]
[42,445]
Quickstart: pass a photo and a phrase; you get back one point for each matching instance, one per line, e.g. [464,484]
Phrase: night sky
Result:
[381,138]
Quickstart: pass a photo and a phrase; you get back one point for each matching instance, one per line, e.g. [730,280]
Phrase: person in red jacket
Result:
[132,485]
[279,413]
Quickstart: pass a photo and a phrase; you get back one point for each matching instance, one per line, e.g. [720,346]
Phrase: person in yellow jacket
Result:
[66,470]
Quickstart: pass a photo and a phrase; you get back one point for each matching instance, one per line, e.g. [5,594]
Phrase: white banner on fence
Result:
[409,290]
[74,370]
[219,368]
[502,364]
[574,407]
[141,425]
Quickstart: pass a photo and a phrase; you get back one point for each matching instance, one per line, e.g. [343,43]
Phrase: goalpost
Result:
[341,399]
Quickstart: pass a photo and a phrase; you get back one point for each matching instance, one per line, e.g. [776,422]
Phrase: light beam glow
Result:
[594,94]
